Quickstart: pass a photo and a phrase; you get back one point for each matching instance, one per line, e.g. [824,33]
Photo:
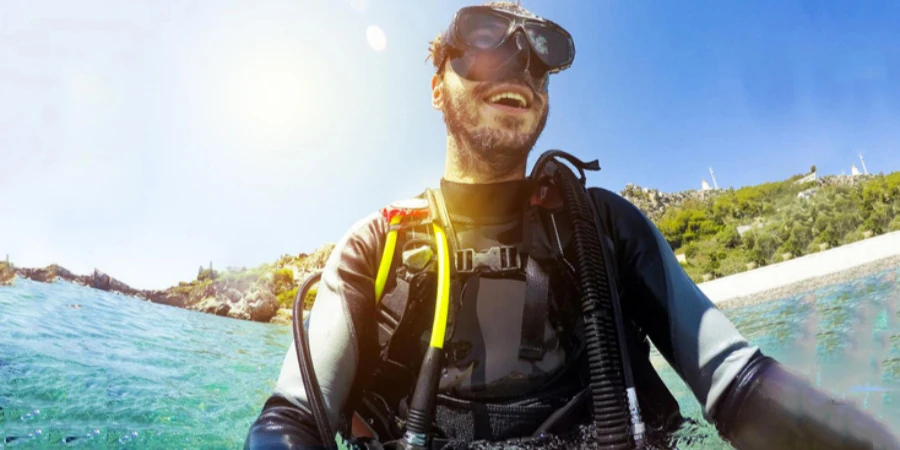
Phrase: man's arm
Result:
[342,343]
[754,401]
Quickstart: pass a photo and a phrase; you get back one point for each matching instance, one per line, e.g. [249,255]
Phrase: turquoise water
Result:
[118,372]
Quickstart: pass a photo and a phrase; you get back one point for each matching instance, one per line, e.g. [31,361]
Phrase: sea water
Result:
[89,369]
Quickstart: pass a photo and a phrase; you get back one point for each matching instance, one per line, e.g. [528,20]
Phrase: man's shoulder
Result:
[378,222]
[613,200]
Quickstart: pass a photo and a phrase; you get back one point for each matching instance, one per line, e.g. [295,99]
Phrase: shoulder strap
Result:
[537,293]
[439,212]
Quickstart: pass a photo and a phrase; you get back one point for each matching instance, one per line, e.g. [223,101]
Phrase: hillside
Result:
[723,232]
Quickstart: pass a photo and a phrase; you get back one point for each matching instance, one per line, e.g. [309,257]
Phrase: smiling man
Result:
[521,349]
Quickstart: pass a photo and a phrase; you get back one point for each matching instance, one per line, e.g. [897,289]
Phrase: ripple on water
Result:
[125,373]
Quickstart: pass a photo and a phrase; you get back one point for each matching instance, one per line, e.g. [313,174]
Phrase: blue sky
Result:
[146,138]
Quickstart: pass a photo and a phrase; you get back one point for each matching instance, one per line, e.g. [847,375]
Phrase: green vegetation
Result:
[778,221]
[285,287]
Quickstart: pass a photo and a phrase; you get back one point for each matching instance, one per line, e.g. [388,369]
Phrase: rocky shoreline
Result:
[246,294]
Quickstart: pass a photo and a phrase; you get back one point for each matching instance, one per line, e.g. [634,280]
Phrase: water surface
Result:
[89,369]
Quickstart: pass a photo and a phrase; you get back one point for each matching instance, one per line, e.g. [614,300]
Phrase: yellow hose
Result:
[442,305]
[384,268]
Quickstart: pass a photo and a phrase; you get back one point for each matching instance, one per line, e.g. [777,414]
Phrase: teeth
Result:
[518,98]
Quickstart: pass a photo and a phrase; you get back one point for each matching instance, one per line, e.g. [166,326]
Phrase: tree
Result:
[798,241]
[764,248]
[749,240]
[729,237]
[712,264]
[878,220]
[829,236]
[812,168]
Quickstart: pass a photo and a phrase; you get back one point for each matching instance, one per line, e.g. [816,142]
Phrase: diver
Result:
[548,292]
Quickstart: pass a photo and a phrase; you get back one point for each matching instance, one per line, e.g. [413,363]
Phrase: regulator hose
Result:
[612,416]
[307,371]
[422,405]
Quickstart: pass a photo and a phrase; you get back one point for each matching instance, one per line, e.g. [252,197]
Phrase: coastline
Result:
[810,272]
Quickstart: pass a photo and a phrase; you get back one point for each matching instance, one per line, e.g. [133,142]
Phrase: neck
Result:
[463,165]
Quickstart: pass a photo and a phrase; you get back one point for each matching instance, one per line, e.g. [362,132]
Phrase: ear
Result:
[437,96]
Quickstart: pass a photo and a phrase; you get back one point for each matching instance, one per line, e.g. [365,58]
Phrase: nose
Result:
[523,55]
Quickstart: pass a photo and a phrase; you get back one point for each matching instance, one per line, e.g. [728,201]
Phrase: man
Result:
[493,66]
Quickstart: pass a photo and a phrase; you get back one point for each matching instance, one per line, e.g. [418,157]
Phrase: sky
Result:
[150,137]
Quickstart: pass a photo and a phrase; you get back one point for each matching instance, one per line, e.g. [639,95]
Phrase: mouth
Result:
[510,98]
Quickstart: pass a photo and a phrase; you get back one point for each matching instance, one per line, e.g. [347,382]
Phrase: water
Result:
[118,372]
[844,338]
[124,373]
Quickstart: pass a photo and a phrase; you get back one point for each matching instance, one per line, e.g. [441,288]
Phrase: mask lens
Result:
[482,29]
[552,45]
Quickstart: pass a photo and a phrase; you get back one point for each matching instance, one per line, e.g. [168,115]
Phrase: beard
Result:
[495,148]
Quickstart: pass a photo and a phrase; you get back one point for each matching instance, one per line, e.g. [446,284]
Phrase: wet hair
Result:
[437,50]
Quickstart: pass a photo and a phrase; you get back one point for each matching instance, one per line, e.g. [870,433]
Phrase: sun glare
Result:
[262,94]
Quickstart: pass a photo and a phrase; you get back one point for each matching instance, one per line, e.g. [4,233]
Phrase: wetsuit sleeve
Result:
[754,402]
[343,344]
[694,336]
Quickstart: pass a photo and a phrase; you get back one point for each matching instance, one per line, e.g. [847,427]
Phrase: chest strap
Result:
[503,258]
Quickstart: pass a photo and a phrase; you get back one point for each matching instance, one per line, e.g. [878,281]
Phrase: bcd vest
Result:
[405,311]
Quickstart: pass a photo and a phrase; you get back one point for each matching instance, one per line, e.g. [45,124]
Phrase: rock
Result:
[262,305]
[167,297]
[655,203]
[7,274]
[47,274]
[213,305]
[100,280]
[232,295]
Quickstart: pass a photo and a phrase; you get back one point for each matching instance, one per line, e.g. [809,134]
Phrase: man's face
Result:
[499,120]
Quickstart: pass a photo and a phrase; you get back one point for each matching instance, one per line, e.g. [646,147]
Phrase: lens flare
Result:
[377,39]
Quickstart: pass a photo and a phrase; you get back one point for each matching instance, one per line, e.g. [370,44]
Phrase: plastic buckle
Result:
[495,259]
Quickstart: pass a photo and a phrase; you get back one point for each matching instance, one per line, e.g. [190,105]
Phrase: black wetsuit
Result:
[751,399]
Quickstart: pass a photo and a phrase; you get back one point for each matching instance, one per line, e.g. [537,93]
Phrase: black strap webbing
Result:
[534,316]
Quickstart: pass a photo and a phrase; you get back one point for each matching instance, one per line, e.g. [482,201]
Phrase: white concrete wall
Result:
[803,268]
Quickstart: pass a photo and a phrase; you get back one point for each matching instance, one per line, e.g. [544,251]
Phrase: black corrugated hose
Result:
[611,414]
[307,371]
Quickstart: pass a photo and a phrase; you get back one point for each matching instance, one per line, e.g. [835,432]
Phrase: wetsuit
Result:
[751,399]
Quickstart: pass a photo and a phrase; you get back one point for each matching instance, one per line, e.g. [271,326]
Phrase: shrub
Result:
[895,224]
[286,298]
[729,237]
